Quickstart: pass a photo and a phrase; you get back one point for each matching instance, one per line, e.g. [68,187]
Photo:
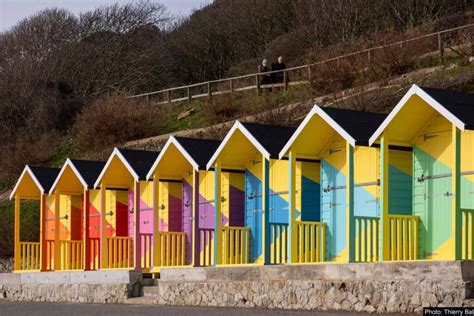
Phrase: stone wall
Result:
[85,287]
[374,287]
[6,265]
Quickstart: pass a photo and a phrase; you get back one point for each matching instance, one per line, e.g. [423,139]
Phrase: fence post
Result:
[257,83]
[147,99]
[189,94]
[168,96]
[440,46]
[231,81]
[285,80]
[310,75]
[209,91]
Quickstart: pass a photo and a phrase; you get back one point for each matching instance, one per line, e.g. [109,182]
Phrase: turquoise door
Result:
[333,202]
[254,214]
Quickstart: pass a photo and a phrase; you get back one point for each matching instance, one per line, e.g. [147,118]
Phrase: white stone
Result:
[359,307]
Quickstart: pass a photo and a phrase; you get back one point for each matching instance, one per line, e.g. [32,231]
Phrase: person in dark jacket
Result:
[263,69]
[279,65]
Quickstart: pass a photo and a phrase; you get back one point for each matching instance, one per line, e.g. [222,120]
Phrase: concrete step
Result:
[142,300]
[150,282]
[150,291]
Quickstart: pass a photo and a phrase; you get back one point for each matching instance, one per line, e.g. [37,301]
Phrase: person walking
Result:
[263,69]
[279,65]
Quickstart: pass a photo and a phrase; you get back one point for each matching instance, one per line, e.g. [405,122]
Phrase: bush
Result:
[111,121]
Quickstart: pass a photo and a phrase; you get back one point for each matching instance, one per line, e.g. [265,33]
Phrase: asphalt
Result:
[67,309]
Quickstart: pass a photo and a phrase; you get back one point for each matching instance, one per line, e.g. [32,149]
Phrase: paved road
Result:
[66,309]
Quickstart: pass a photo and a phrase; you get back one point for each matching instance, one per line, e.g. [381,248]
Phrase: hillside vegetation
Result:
[63,76]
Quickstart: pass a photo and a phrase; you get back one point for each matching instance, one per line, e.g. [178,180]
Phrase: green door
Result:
[432,196]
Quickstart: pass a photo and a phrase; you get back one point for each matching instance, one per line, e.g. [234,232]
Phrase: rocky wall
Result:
[372,287]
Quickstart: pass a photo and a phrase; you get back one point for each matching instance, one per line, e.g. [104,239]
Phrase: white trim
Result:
[416,90]
[316,110]
[351,140]
[74,169]
[298,131]
[174,141]
[117,153]
[238,126]
[35,180]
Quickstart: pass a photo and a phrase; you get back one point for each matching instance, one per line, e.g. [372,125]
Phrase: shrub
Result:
[114,120]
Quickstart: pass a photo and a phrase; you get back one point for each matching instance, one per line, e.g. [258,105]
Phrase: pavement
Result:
[68,309]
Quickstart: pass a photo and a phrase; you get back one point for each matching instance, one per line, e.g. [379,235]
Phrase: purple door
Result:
[188,217]
[206,214]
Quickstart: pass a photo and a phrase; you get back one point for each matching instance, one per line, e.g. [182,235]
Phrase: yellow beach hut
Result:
[78,241]
[33,185]
[184,202]
[437,126]
[246,164]
[337,141]
[126,208]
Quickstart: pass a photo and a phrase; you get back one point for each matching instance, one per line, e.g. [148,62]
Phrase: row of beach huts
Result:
[345,186]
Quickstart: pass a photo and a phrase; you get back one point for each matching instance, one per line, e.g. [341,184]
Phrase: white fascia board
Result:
[415,90]
[117,153]
[237,126]
[28,170]
[174,141]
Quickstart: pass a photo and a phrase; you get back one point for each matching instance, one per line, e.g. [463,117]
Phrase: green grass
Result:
[224,108]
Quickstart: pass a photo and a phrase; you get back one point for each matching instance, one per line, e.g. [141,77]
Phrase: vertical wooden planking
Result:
[195,250]
[42,252]
[456,190]
[57,249]
[103,254]
[350,220]
[18,250]
[217,214]
[292,229]
[265,209]
[384,252]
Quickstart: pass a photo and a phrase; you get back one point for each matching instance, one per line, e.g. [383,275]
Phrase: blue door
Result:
[333,201]
[254,214]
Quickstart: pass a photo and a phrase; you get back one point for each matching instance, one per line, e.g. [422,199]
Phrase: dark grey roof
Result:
[459,104]
[360,125]
[272,137]
[45,176]
[140,160]
[201,150]
[89,170]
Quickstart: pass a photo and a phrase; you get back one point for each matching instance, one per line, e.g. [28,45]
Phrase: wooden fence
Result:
[437,41]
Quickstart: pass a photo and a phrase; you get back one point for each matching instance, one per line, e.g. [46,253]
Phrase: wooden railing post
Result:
[310,74]
[257,83]
[147,99]
[189,94]
[285,80]
[440,46]
[209,91]
[231,82]
[168,96]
